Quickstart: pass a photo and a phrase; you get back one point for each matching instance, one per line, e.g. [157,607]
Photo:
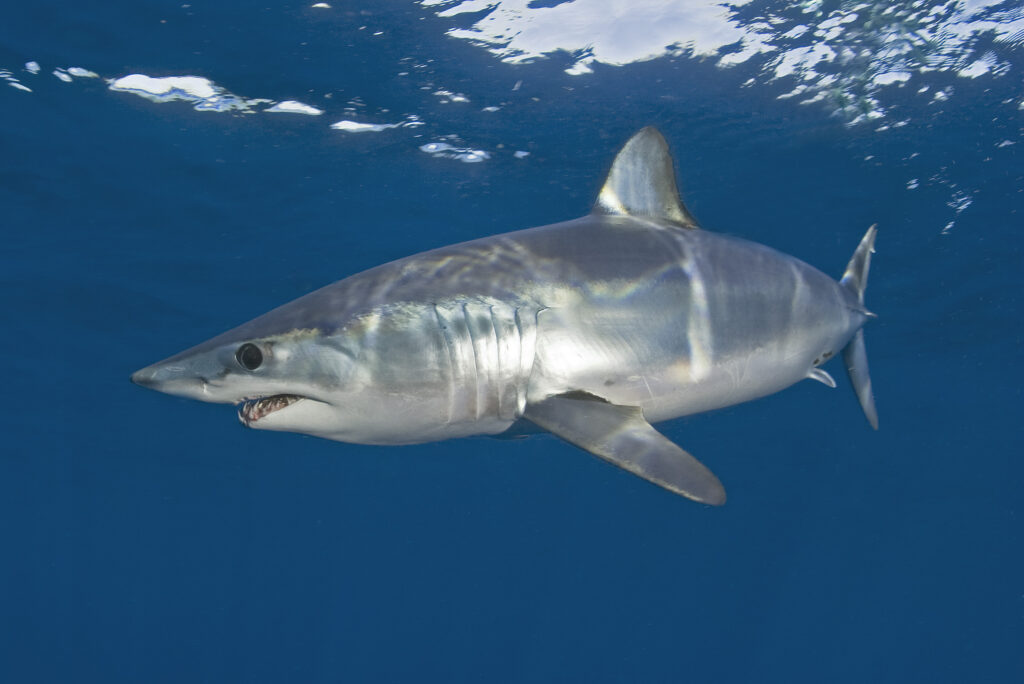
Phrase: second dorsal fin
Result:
[642,182]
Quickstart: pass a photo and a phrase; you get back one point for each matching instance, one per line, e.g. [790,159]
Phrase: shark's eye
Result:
[249,356]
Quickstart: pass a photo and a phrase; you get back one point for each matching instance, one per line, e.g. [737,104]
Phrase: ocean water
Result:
[152,539]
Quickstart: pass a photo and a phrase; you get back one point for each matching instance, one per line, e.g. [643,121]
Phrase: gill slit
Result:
[449,346]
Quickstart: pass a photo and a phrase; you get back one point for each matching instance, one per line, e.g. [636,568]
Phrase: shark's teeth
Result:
[253,410]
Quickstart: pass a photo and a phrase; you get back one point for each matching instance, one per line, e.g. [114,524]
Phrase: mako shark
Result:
[590,329]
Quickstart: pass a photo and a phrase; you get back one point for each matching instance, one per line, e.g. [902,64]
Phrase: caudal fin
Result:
[855,356]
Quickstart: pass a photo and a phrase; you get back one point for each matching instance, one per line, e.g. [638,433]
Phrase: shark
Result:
[591,329]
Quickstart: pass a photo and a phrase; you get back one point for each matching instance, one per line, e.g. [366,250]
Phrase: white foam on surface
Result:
[447,151]
[890,77]
[606,31]
[79,72]
[294,107]
[449,96]
[843,55]
[411,121]
[357,127]
[12,80]
[191,86]
[203,93]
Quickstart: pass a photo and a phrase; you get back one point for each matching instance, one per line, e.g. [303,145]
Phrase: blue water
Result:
[152,539]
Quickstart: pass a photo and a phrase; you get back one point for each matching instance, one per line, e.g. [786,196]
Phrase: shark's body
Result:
[591,329]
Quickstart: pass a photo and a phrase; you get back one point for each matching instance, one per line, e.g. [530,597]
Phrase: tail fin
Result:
[855,356]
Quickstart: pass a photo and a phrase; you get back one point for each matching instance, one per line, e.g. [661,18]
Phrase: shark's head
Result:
[280,381]
[321,365]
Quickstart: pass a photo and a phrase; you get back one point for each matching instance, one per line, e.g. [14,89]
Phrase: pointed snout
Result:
[177,379]
[145,377]
[159,376]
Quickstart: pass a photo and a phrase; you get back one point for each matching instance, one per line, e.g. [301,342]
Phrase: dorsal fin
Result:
[642,182]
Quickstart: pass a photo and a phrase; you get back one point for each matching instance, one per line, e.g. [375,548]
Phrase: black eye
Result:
[249,356]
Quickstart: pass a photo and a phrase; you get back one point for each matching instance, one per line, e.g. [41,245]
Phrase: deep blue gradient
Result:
[151,539]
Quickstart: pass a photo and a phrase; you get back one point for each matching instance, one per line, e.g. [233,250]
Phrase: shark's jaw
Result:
[251,411]
[274,412]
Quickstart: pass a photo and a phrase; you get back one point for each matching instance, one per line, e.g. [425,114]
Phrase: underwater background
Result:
[170,170]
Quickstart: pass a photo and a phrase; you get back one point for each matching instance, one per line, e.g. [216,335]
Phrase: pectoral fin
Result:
[620,434]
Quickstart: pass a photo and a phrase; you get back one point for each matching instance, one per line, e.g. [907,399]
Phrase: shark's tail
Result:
[855,356]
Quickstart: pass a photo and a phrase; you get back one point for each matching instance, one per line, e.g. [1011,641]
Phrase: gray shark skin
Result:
[590,329]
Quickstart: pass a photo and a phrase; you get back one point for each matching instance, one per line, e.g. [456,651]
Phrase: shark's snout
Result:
[160,375]
[145,377]
[172,379]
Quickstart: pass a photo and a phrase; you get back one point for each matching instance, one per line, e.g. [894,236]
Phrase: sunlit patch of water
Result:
[841,57]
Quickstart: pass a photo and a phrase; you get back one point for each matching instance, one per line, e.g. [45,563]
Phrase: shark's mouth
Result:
[253,410]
